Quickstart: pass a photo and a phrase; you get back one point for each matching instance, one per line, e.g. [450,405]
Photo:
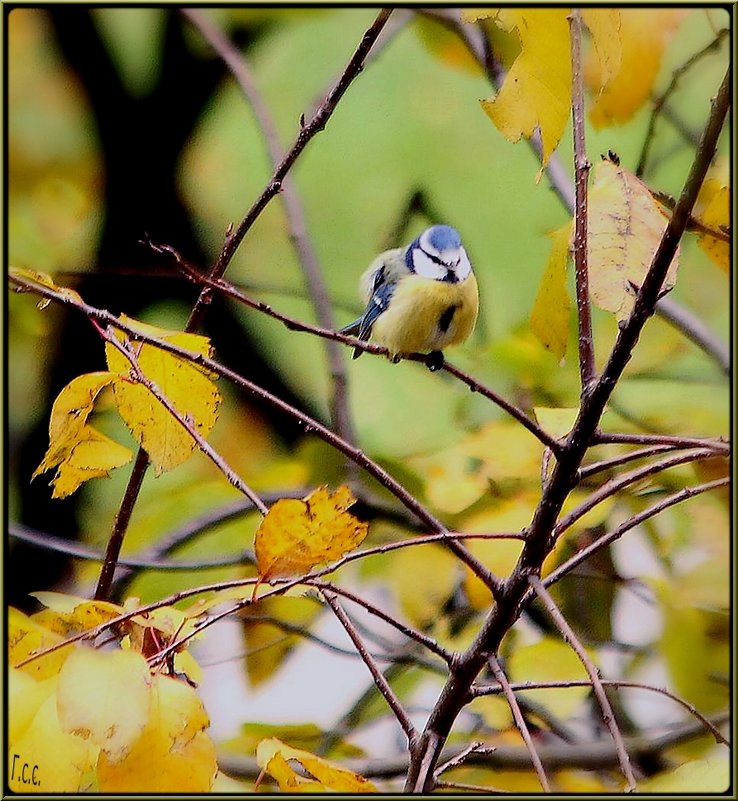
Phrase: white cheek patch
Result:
[426,267]
[464,267]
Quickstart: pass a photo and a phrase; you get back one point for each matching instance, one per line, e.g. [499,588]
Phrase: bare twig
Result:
[604,438]
[519,719]
[238,65]
[381,682]
[607,714]
[658,104]
[490,689]
[614,485]
[462,756]
[581,174]
[615,461]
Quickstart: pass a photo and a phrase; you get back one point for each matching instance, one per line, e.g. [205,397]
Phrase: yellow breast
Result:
[426,315]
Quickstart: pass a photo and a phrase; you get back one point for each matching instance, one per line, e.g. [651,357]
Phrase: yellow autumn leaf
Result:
[508,453]
[700,776]
[44,279]
[423,578]
[625,228]
[267,643]
[557,422]
[172,754]
[445,45]
[272,755]
[78,451]
[46,759]
[25,696]
[537,90]
[189,388]
[25,637]
[644,35]
[549,319]
[296,535]
[452,483]
[70,614]
[104,696]
[474,14]
[549,660]
[604,25]
[713,210]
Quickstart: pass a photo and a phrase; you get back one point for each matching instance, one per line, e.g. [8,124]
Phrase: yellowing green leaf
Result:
[474,14]
[549,660]
[173,753]
[272,755]
[557,422]
[44,279]
[445,45]
[268,643]
[452,483]
[26,637]
[296,535]
[77,450]
[549,319]
[604,25]
[625,228]
[423,579]
[644,34]
[105,696]
[701,776]
[55,761]
[714,204]
[189,388]
[508,453]
[537,90]
[494,710]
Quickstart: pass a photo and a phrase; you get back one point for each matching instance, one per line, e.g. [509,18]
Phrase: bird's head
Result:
[438,254]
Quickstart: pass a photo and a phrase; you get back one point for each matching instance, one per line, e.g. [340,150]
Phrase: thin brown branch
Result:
[489,689]
[658,104]
[519,719]
[571,639]
[694,224]
[458,760]
[381,682]
[615,461]
[581,175]
[308,423]
[295,215]
[603,438]
[307,132]
[614,485]
[632,522]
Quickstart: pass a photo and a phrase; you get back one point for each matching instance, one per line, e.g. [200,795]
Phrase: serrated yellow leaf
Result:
[76,449]
[474,14]
[549,319]
[104,696]
[272,755]
[537,90]
[26,637]
[549,660]
[644,35]
[25,696]
[70,614]
[296,535]
[604,25]
[47,759]
[423,578]
[625,228]
[267,643]
[188,387]
[173,753]
[714,205]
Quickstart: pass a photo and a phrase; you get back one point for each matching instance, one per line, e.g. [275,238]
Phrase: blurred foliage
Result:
[411,123]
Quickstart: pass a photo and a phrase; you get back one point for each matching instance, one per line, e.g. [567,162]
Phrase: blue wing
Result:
[378,304]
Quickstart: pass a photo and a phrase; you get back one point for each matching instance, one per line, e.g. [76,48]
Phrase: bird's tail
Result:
[353,329]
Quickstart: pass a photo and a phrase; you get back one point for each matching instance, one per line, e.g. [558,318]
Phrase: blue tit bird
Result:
[419,299]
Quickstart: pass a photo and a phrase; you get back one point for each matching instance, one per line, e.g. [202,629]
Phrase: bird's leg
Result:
[434,361]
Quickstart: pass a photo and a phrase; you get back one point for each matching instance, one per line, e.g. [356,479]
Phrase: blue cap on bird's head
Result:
[443,237]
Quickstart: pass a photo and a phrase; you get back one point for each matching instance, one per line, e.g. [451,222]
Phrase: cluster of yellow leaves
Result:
[621,68]
[98,720]
[79,452]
